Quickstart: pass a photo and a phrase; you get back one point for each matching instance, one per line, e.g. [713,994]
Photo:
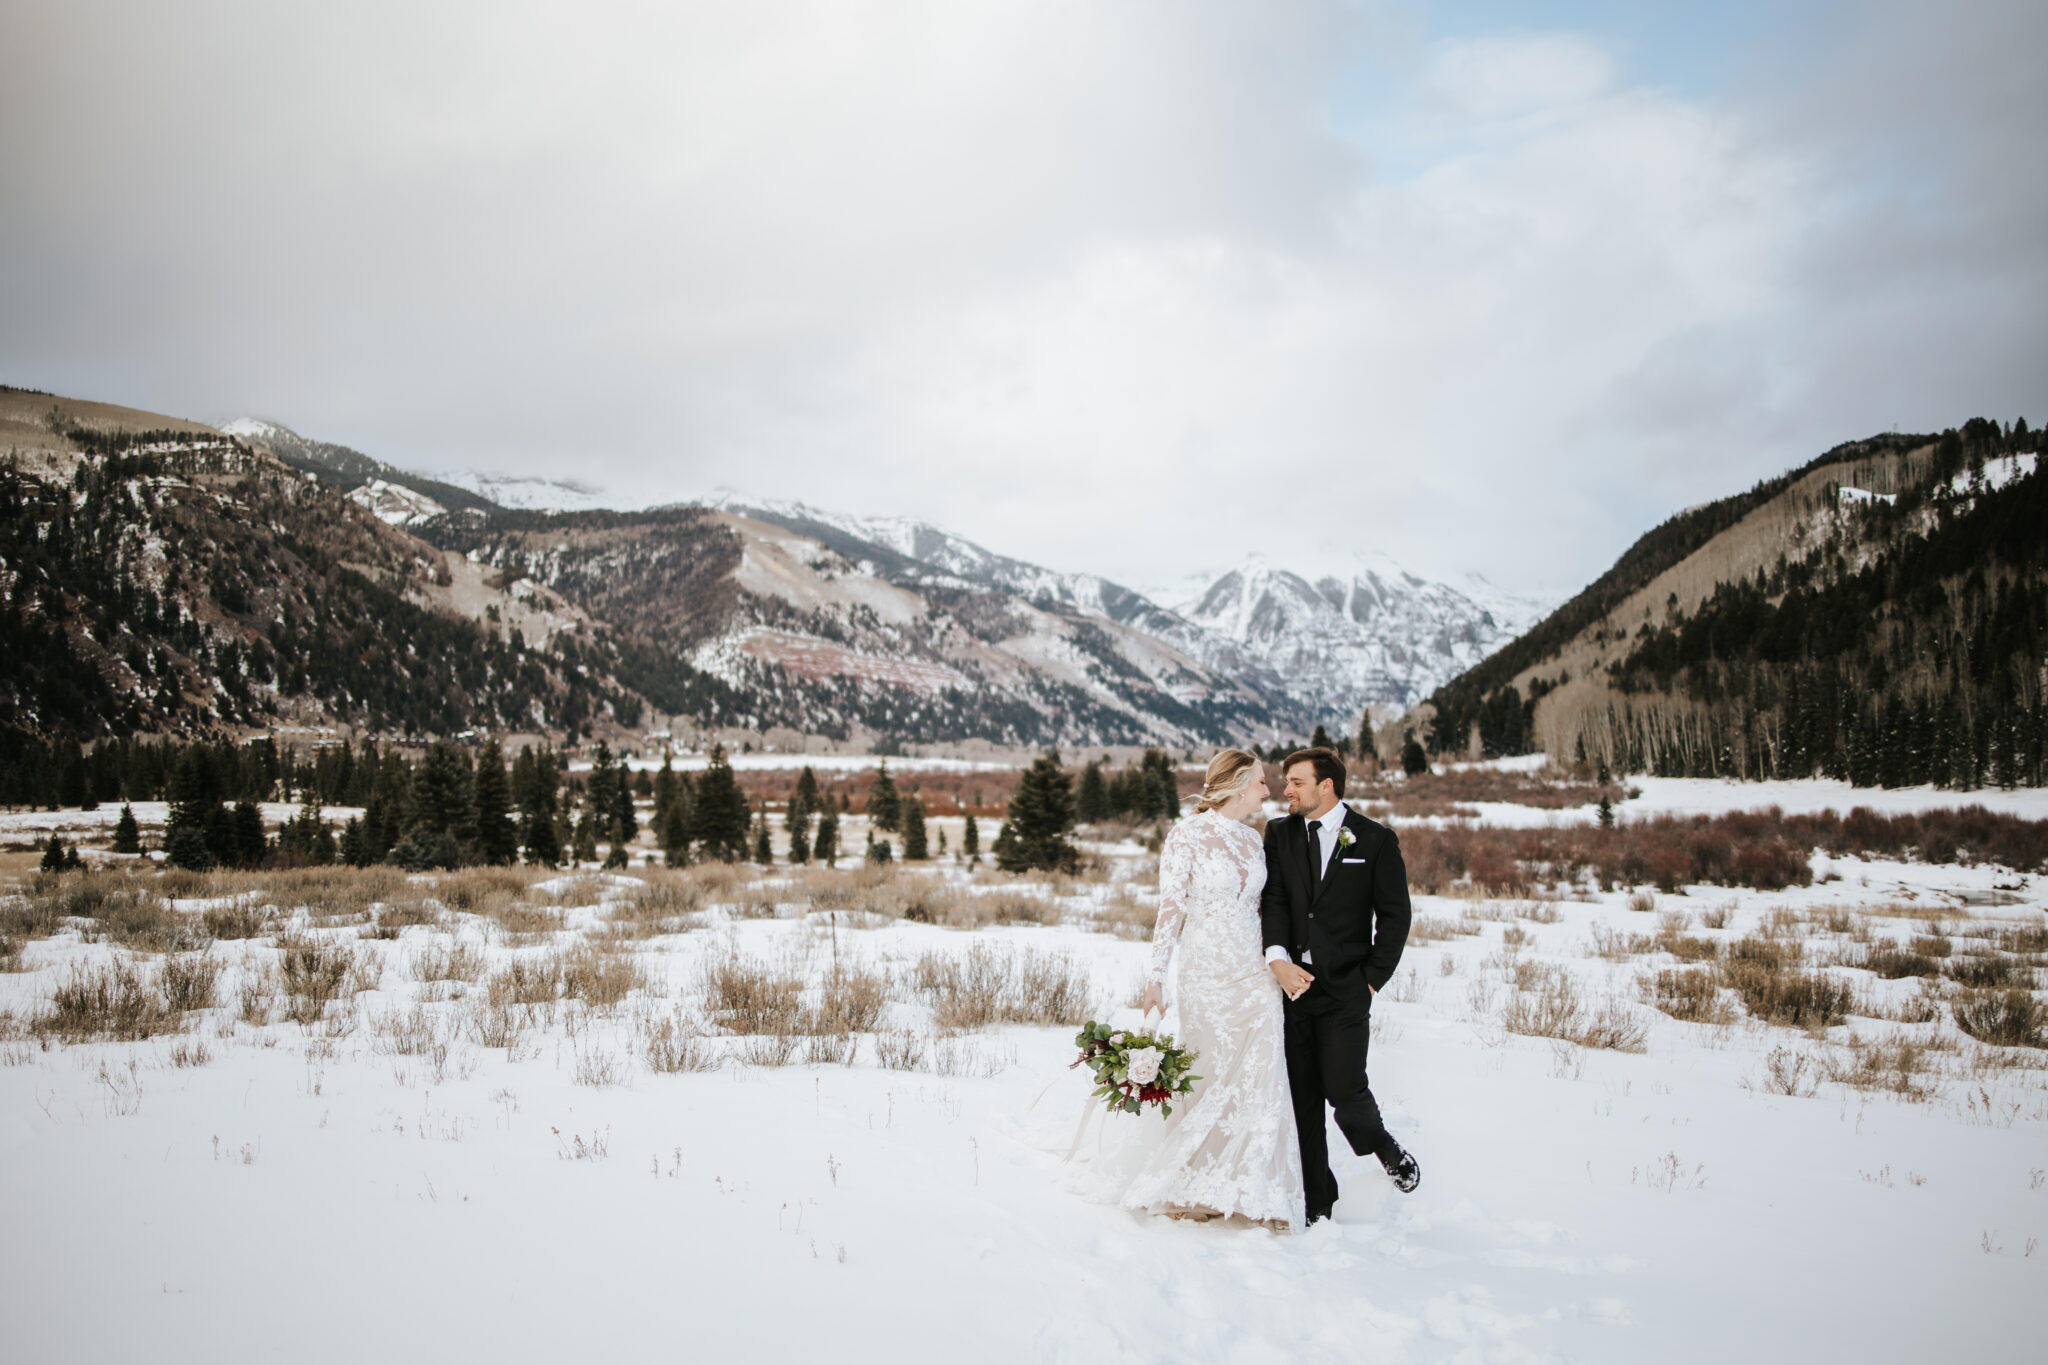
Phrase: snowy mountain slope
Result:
[1382,636]
[528,493]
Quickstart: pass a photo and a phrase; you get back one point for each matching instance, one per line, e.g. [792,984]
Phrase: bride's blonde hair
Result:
[1230,772]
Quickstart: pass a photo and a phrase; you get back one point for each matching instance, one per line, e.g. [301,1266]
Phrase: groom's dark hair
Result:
[1326,763]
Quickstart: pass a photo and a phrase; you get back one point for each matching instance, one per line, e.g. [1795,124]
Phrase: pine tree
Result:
[915,849]
[885,807]
[250,845]
[127,834]
[720,814]
[497,840]
[1414,761]
[192,807]
[1091,802]
[355,848]
[879,850]
[583,840]
[674,833]
[798,822]
[53,855]
[1606,812]
[664,792]
[535,779]
[970,840]
[806,798]
[1320,739]
[1035,827]
[825,848]
[764,851]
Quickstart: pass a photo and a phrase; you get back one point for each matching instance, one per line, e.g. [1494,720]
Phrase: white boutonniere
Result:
[1345,838]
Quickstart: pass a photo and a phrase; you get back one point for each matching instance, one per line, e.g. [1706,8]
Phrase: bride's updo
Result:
[1230,772]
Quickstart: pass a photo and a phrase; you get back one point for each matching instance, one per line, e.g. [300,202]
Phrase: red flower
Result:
[1154,1094]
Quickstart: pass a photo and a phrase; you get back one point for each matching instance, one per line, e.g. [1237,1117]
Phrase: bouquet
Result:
[1134,1069]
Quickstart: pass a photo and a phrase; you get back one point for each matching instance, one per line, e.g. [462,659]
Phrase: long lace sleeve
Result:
[1176,877]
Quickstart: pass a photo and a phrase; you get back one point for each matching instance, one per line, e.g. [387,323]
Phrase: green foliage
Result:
[885,806]
[497,839]
[719,813]
[1091,801]
[127,834]
[1038,820]
[970,840]
[1414,761]
[825,848]
[915,849]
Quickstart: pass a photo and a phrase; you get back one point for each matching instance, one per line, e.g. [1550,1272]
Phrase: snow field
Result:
[382,1177]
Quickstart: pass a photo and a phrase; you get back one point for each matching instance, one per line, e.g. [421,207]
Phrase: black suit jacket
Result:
[1352,923]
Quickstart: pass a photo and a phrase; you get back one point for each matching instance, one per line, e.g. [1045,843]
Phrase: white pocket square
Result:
[1354,860]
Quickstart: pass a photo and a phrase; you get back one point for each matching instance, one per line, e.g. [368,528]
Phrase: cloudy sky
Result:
[1115,285]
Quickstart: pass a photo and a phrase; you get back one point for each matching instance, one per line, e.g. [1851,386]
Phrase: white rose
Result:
[1143,1065]
[1116,1040]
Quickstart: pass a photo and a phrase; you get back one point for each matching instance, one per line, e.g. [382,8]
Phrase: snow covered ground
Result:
[381,1180]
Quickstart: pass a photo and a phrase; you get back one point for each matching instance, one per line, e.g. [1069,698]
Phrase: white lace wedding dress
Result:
[1232,1149]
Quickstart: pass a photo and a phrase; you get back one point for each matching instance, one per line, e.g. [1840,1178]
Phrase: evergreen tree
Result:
[355,847]
[764,851]
[806,798]
[885,807]
[1606,812]
[674,833]
[250,845]
[497,839]
[535,781]
[1091,802]
[127,834]
[915,849]
[583,841]
[193,804]
[53,855]
[879,850]
[1320,739]
[826,846]
[1163,784]
[1414,761]
[442,798]
[1040,815]
[942,844]
[720,814]
[798,823]
[664,792]
[970,840]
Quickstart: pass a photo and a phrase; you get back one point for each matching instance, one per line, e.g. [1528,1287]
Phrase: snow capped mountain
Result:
[395,505]
[527,493]
[1381,636]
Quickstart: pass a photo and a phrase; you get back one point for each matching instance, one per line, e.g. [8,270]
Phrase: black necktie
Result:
[1315,852]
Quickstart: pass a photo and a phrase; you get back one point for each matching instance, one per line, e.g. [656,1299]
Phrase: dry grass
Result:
[2002,1018]
[1765,972]
[674,1043]
[110,1001]
[599,976]
[313,972]
[665,905]
[526,981]
[747,996]
[1693,995]
[986,985]
[242,918]
[1435,928]
[449,962]
[190,981]
[1126,914]
[1546,1004]
[850,1000]
[11,956]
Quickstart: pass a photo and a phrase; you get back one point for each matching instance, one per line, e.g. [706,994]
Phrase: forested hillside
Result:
[1880,616]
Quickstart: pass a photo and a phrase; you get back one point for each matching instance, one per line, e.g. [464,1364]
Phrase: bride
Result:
[1231,1152]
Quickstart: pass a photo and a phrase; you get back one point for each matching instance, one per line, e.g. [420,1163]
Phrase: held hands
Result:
[1293,980]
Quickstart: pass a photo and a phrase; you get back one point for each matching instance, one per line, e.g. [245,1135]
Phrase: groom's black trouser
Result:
[1326,1065]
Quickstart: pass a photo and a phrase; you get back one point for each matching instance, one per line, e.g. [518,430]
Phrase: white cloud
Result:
[1102,285]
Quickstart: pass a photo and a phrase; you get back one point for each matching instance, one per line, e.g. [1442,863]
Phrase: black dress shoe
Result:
[1316,1216]
[1402,1170]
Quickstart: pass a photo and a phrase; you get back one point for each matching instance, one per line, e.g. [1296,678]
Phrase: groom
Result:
[1335,915]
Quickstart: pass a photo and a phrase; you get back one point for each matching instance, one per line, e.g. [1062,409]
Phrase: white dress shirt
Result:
[1327,824]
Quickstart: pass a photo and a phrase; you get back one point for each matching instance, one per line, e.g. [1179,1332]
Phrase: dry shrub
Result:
[109,1001]
[25,917]
[2002,1018]
[113,906]
[569,893]
[663,905]
[11,955]
[1435,928]
[987,985]
[1982,971]
[258,987]
[526,981]
[469,890]
[189,1052]
[1789,1072]
[394,917]
[491,1022]
[749,997]
[675,1043]
[313,972]
[762,900]
[769,1049]
[856,888]
[1764,970]
[522,923]
[1538,912]
[975,910]
[1619,947]
[450,962]
[850,1000]
[1894,963]
[1757,849]
[1717,916]
[1546,1005]
[1895,1065]
[334,896]
[1689,948]
[1692,995]
[600,978]
[598,1066]
[190,981]
[242,918]
[408,1033]
[1642,902]
[901,1049]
